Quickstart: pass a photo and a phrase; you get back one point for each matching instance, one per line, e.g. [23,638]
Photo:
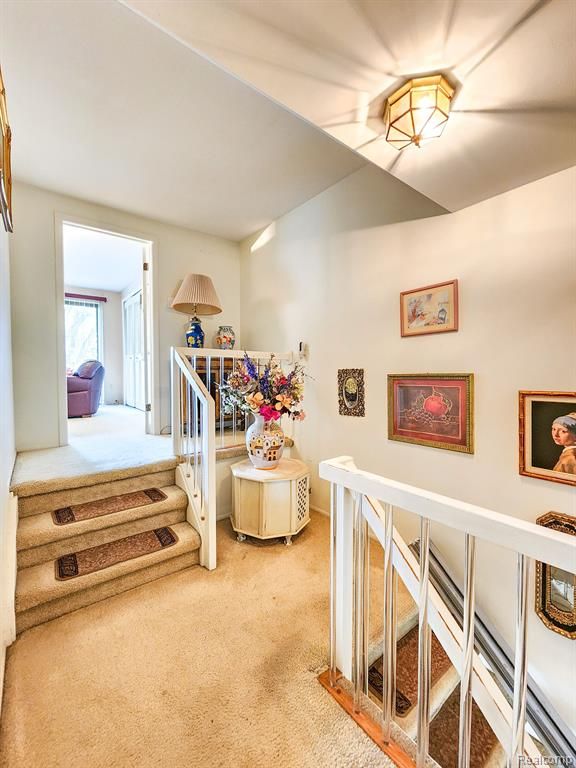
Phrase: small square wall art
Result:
[432,409]
[432,309]
[351,391]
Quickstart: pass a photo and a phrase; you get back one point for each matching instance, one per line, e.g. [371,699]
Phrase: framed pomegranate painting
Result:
[432,409]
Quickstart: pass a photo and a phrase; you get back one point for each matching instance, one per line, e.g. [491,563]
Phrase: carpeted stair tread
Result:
[46,502]
[35,487]
[76,600]
[54,549]
[37,584]
[85,561]
[37,530]
[443,745]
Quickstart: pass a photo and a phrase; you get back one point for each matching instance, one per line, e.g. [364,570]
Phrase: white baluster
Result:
[423,648]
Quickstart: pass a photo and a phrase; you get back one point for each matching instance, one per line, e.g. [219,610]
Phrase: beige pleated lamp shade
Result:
[197,295]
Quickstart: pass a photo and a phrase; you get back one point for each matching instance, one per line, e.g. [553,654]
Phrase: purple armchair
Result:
[85,388]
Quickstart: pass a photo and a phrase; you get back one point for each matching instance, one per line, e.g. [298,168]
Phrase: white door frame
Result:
[151,250]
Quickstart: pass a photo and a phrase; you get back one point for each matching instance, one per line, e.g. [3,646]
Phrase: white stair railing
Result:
[213,366]
[356,510]
[199,426]
[194,441]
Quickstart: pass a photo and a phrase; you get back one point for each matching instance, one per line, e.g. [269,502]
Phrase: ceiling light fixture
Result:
[418,111]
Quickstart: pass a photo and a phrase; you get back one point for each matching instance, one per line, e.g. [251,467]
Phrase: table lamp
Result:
[196,296]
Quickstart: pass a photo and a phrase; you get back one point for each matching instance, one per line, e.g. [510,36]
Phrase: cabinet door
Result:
[276,517]
[247,504]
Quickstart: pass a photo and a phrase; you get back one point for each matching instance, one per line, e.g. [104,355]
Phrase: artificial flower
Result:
[284,401]
[255,400]
[269,413]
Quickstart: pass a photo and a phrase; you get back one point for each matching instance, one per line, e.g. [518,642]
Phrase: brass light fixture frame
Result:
[418,111]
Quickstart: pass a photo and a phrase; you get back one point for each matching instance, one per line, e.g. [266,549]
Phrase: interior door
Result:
[134,360]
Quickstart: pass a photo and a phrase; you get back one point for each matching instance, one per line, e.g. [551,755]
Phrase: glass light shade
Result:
[418,111]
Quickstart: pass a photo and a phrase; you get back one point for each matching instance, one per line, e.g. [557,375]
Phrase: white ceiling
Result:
[333,62]
[106,107]
[100,260]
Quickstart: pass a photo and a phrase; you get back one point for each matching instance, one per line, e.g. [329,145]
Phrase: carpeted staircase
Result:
[42,595]
[486,751]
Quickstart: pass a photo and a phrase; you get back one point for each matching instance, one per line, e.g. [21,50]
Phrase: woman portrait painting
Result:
[564,435]
[548,436]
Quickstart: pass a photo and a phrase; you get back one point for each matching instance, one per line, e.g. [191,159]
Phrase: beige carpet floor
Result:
[112,439]
[197,670]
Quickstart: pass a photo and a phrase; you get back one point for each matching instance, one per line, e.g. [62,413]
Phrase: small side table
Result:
[270,503]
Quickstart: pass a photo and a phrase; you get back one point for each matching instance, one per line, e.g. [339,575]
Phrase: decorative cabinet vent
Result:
[302,502]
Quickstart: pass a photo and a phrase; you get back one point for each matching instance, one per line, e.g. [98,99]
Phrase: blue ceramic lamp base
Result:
[195,334]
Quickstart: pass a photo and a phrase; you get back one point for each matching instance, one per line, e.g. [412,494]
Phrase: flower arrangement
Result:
[270,393]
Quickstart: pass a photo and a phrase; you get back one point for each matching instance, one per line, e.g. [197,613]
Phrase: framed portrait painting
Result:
[351,392]
[432,409]
[5,169]
[432,309]
[547,435]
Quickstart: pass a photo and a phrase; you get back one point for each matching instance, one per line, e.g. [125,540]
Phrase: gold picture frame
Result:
[430,309]
[556,589]
[5,161]
[433,409]
[351,392]
[541,454]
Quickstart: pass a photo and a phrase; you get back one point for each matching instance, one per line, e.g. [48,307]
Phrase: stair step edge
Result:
[29,506]
[38,487]
[38,584]
[38,530]
[54,549]
[101,593]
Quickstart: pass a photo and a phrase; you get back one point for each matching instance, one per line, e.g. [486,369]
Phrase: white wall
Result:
[7,455]
[331,275]
[34,306]
[112,342]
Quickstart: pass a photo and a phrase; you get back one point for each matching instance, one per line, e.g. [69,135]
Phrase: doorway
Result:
[107,297]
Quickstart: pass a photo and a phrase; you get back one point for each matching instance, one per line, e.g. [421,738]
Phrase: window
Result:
[83,332]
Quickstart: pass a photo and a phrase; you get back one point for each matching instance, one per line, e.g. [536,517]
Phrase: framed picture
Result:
[5,168]
[432,409]
[555,603]
[351,391]
[432,309]
[547,436]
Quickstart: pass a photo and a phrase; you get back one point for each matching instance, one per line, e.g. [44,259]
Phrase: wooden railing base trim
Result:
[370,727]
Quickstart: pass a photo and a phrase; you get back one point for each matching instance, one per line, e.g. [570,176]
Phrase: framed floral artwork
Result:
[555,588]
[351,392]
[432,409]
[5,168]
[432,309]
[547,435]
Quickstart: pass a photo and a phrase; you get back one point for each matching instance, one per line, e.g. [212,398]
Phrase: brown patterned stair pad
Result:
[104,555]
[407,671]
[90,509]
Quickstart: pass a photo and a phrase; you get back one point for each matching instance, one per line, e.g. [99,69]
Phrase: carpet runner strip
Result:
[90,509]
[104,555]
[407,671]
[443,745]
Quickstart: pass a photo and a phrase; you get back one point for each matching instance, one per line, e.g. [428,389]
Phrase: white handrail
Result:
[355,498]
[535,541]
[194,441]
[233,353]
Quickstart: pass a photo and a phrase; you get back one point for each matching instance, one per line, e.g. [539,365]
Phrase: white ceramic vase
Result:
[264,443]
